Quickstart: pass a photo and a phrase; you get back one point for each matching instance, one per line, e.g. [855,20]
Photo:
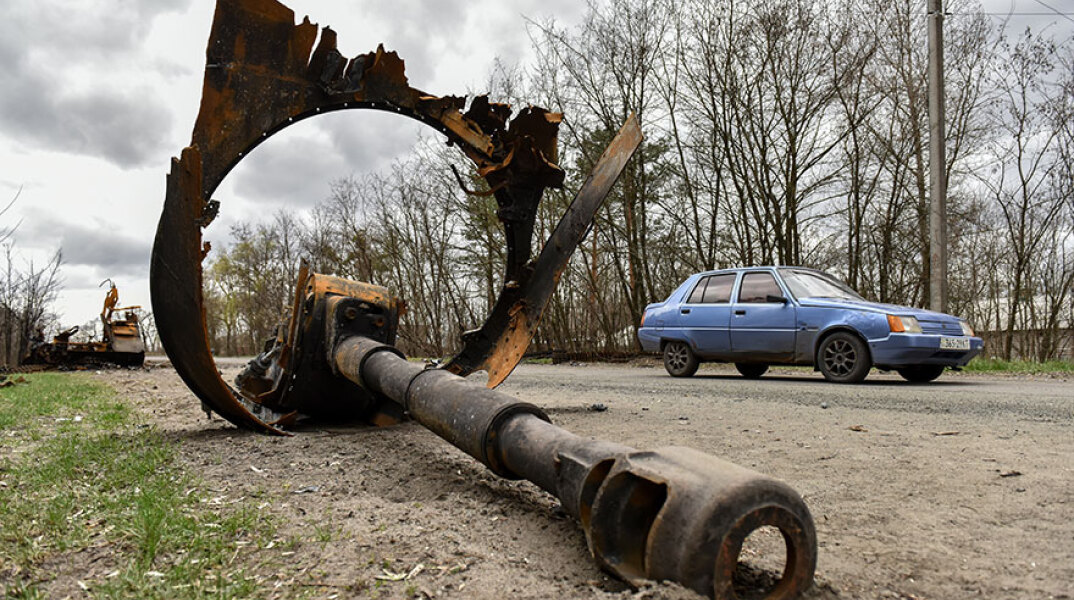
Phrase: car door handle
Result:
[685,311]
[740,312]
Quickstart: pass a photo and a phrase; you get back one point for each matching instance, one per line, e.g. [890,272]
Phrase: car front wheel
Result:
[921,373]
[679,360]
[843,358]
[751,371]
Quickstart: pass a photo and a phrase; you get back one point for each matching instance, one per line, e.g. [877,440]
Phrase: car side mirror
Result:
[774,298]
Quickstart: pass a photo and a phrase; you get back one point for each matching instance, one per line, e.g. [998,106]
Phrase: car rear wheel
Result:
[843,358]
[921,373]
[679,360]
[751,371]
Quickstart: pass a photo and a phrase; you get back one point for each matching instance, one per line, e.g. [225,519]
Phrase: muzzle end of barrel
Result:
[681,515]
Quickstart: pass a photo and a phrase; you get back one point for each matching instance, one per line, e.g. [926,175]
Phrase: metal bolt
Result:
[351,313]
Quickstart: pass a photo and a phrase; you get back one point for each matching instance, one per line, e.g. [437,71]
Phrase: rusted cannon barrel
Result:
[668,514]
[671,514]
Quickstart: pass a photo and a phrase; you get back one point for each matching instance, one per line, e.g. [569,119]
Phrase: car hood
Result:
[878,307]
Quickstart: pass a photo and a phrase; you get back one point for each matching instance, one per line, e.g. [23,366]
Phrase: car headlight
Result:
[903,324]
[966,329]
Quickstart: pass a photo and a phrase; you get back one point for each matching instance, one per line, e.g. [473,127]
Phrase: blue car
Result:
[761,316]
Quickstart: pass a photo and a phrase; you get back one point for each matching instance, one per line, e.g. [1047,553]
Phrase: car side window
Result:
[757,286]
[719,289]
[699,291]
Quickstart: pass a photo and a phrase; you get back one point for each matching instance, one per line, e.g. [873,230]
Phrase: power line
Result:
[1017,14]
[1065,16]
[1002,14]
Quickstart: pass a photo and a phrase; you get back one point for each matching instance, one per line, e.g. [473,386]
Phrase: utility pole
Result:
[937,164]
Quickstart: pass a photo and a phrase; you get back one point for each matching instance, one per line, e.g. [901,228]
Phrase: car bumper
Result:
[900,350]
[650,339]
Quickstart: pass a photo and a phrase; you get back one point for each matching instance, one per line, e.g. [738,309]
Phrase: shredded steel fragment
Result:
[263,74]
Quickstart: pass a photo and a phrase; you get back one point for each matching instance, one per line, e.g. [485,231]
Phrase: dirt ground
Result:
[957,489]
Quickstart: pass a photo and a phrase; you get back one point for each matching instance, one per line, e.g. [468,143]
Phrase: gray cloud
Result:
[369,140]
[45,102]
[98,245]
[295,167]
[85,279]
[286,170]
[121,127]
[420,26]
[82,32]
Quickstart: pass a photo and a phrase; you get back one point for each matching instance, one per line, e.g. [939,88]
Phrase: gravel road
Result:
[959,488]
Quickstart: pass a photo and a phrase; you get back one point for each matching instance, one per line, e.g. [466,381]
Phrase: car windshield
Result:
[813,284]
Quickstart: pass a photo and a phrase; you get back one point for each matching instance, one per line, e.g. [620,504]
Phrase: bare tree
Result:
[26,298]
[1025,167]
[604,71]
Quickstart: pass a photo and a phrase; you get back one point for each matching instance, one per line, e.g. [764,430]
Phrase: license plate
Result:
[954,343]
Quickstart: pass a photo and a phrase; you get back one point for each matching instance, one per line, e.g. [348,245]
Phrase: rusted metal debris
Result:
[121,340]
[263,74]
[673,513]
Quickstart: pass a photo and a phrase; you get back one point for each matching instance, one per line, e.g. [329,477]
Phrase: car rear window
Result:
[757,286]
[714,289]
[719,289]
[699,291]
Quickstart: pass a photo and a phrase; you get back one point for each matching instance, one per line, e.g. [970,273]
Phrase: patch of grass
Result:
[324,533]
[82,478]
[997,365]
[537,361]
[57,398]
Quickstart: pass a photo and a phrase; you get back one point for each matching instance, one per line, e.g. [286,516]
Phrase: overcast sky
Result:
[97,95]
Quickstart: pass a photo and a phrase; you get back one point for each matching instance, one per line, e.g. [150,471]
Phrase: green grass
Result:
[82,477]
[997,365]
[537,361]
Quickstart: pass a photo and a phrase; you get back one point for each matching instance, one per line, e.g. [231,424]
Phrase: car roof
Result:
[758,268]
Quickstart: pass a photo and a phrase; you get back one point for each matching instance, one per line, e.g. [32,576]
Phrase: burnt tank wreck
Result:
[667,514]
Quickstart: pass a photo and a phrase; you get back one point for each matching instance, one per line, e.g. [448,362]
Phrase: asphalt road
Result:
[963,487]
[1020,397]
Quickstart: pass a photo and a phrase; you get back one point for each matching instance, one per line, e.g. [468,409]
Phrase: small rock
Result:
[598,407]
[824,405]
